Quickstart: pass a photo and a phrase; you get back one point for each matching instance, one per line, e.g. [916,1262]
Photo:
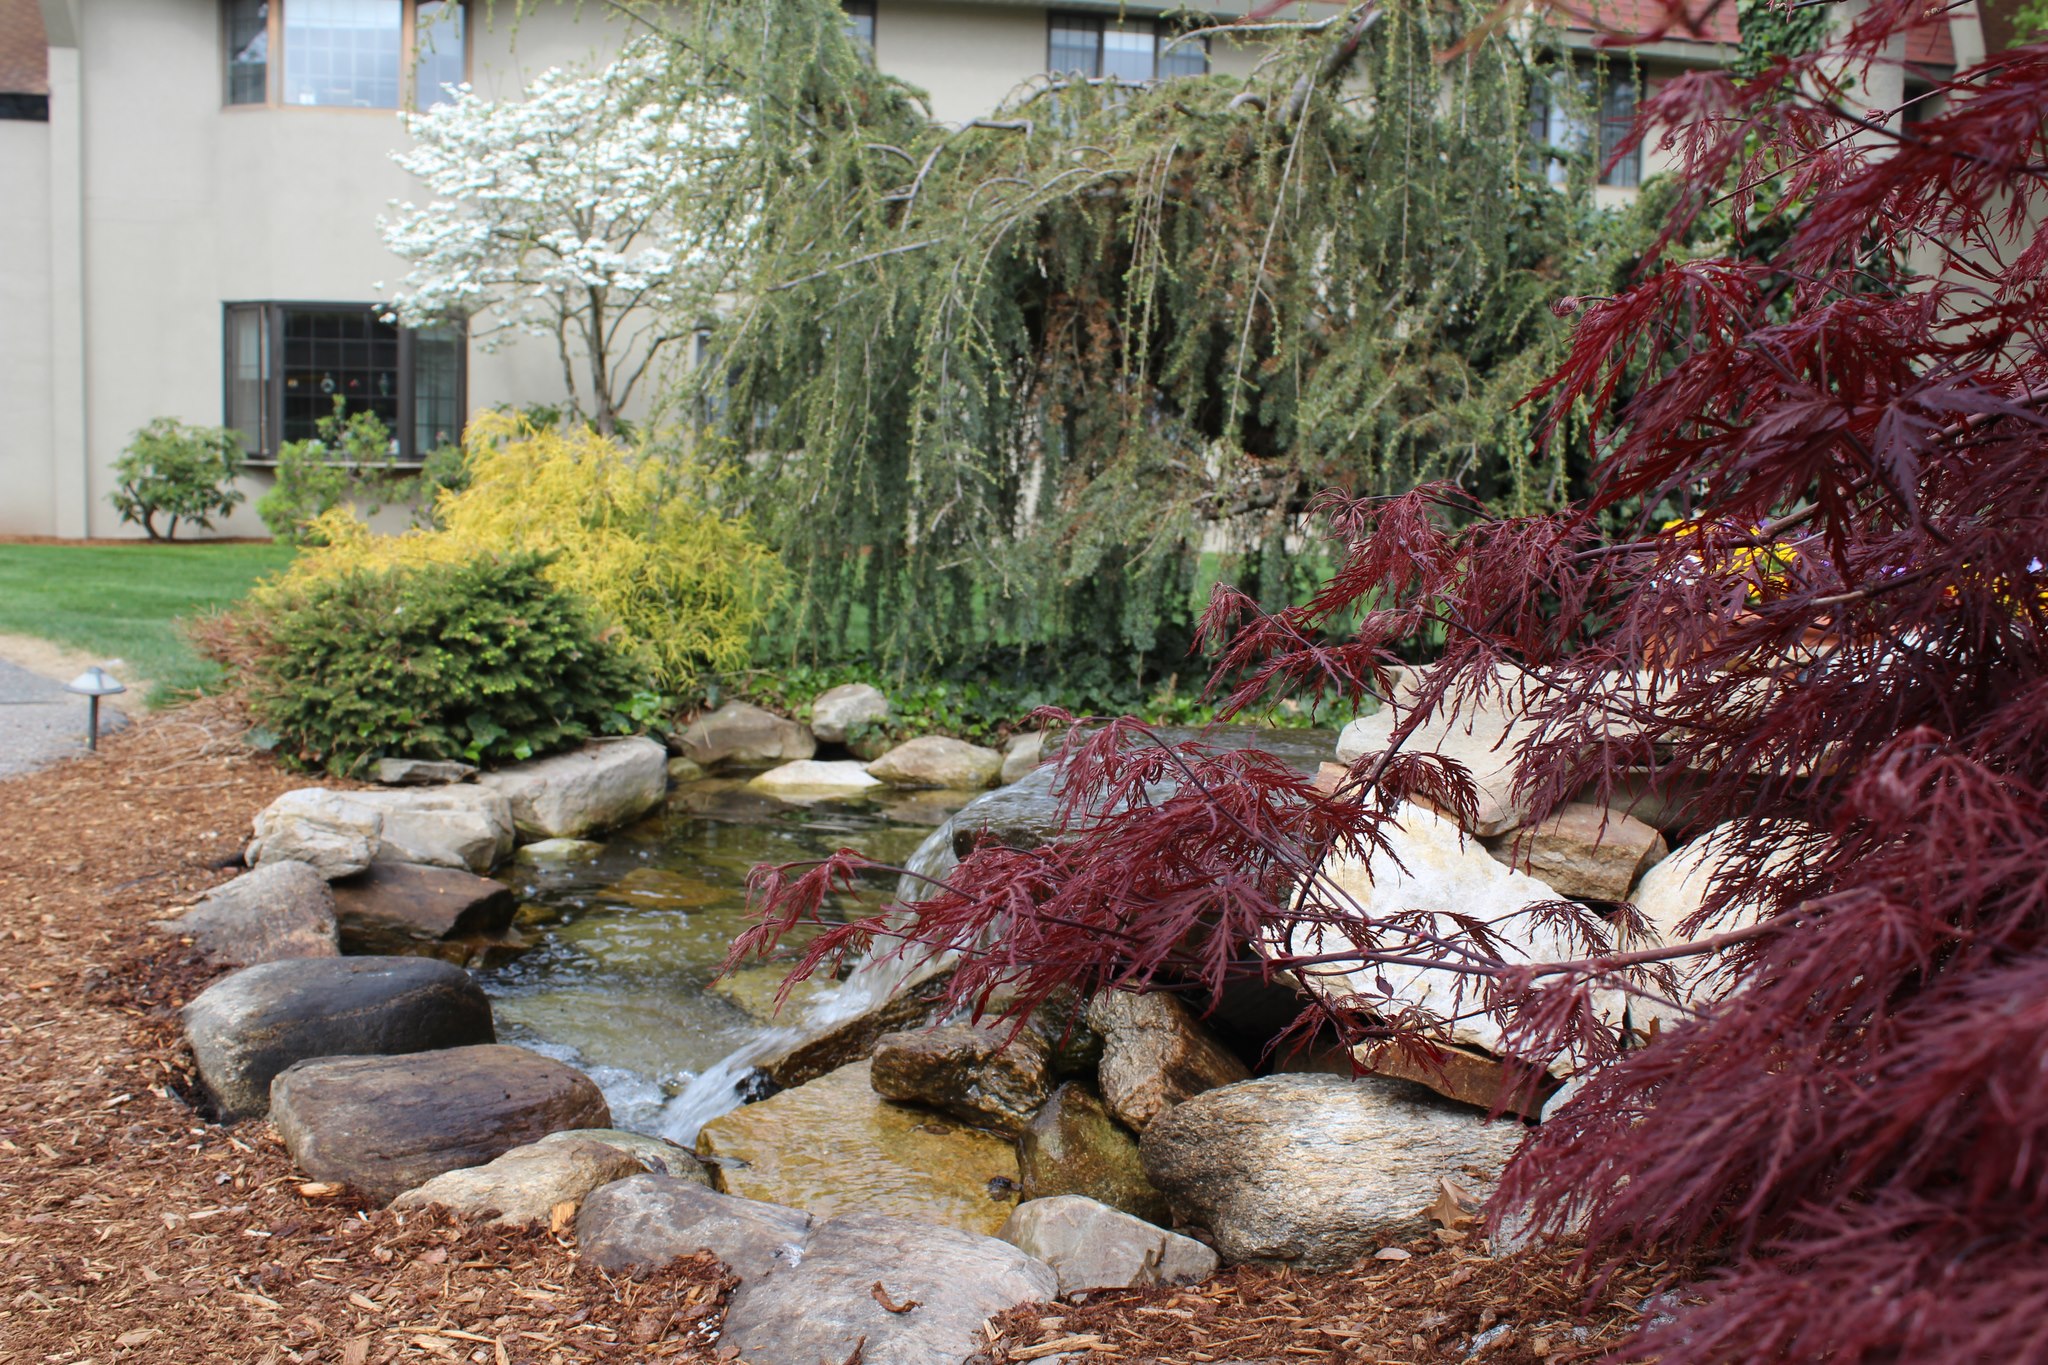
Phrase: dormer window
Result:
[343,54]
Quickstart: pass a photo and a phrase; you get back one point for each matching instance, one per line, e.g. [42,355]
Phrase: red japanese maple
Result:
[1839,645]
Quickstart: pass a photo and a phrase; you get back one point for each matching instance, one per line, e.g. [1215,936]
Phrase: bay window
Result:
[287,363]
[343,54]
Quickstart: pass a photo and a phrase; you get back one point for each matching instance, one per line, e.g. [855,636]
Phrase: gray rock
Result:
[839,709]
[644,1222]
[658,1155]
[335,833]
[279,910]
[599,786]
[463,827]
[682,769]
[247,1027]
[830,1306]
[389,1124]
[740,735]
[547,851]
[976,1072]
[936,761]
[527,1183]
[1073,1146]
[1584,850]
[1155,1055]
[1092,1246]
[404,908]
[1316,1171]
[1023,753]
[420,772]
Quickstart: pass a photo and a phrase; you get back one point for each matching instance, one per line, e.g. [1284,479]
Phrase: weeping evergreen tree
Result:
[999,386]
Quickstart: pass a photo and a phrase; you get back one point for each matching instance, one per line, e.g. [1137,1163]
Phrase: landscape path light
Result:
[93,684]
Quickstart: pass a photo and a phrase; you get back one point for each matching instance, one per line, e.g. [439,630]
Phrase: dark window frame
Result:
[274,60]
[24,106]
[1163,30]
[1606,123]
[270,423]
[857,10]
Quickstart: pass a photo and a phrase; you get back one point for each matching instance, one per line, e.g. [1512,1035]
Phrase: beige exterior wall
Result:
[28,496]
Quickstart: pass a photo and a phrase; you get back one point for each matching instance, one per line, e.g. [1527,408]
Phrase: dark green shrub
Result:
[178,472]
[480,659]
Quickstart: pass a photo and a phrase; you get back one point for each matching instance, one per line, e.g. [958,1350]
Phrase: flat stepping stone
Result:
[526,1184]
[602,785]
[1092,1246]
[646,1221]
[407,908]
[885,1291]
[388,1124]
[276,911]
[247,1027]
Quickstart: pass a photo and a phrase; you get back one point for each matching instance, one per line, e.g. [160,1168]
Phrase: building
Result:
[193,189]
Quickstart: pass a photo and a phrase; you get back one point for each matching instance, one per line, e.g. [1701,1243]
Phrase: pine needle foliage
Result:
[637,536]
[1000,384]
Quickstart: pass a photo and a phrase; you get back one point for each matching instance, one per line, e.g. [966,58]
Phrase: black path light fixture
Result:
[93,684]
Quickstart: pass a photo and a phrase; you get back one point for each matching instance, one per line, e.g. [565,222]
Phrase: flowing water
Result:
[627,945]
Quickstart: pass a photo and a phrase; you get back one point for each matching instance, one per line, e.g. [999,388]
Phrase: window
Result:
[1095,45]
[860,21]
[1561,99]
[346,54]
[25,106]
[286,363]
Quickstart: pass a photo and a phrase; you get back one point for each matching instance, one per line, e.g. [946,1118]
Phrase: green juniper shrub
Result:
[178,472]
[480,659]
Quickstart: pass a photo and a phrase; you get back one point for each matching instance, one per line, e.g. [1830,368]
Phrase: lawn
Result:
[122,600]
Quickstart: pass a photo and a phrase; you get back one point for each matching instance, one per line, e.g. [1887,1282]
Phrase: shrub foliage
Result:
[177,472]
[480,659]
[636,535]
[1841,647]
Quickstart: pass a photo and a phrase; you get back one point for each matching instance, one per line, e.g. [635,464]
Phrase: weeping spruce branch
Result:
[1001,385]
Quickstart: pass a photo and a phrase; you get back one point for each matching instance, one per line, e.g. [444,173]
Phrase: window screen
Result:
[248,39]
[437,61]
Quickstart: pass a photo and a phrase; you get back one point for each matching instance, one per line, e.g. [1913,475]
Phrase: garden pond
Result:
[622,978]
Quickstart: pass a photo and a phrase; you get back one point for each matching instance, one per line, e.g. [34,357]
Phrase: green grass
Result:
[122,600]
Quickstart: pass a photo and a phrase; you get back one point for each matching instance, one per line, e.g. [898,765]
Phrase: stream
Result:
[621,980]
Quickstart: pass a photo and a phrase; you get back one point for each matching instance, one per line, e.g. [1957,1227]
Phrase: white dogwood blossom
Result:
[581,212]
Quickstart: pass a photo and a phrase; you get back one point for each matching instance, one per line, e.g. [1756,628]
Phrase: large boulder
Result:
[838,710]
[1092,1246]
[247,1027]
[741,735]
[976,1072]
[1316,1171]
[279,910]
[1155,1055]
[833,1145]
[1482,735]
[1584,850]
[1669,896]
[936,761]
[645,1222]
[885,1291]
[333,832]
[1430,868]
[464,827]
[388,1124]
[526,1184]
[811,779]
[405,908]
[1073,1146]
[599,786]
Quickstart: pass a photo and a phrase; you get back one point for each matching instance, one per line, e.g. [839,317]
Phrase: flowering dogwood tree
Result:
[574,213]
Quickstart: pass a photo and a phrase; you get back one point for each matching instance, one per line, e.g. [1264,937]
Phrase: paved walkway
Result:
[40,722]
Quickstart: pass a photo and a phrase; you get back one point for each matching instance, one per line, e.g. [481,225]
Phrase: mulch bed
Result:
[131,1228]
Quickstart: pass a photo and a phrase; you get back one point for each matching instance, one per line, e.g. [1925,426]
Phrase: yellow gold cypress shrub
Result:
[686,585]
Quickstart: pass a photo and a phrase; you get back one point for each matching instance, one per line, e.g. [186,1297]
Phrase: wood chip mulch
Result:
[133,1229]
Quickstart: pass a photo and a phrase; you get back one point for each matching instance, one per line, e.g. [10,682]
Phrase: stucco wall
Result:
[27,493]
